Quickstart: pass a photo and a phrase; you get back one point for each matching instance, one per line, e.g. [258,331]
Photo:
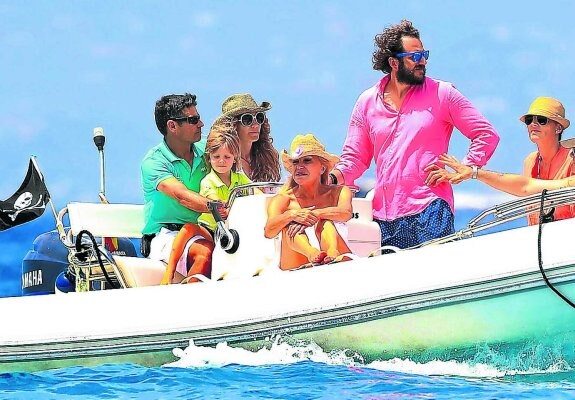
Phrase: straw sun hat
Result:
[550,108]
[238,104]
[307,145]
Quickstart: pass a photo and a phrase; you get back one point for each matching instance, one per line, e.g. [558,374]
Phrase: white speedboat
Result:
[440,300]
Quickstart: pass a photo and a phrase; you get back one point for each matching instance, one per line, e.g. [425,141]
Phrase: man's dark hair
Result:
[389,43]
[172,106]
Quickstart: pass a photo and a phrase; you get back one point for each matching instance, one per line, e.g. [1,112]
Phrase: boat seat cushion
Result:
[139,271]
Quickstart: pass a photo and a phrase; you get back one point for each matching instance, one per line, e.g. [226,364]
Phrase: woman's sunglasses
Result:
[248,119]
[541,120]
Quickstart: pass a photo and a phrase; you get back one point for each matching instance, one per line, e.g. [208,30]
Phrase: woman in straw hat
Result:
[545,121]
[551,167]
[259,159]
[309,201]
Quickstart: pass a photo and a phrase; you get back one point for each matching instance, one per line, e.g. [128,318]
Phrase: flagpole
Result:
[59,225]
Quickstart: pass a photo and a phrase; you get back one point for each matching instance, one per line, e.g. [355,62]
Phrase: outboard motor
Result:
[48,258]
[42,264]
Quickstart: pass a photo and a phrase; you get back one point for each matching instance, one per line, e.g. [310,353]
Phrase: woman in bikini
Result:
[308,201]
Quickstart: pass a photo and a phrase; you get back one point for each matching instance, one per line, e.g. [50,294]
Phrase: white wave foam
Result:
[278,351]
[463,369]
[436,367]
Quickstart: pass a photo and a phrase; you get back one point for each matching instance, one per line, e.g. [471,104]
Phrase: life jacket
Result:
[567,168]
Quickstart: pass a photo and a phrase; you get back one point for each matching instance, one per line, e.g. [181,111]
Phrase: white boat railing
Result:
[510,211]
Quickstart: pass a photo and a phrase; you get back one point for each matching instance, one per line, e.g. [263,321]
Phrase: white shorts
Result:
[161,248]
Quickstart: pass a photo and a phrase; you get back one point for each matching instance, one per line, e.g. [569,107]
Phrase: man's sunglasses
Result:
[541,120]
[416,56]
[248,119]
[192,120]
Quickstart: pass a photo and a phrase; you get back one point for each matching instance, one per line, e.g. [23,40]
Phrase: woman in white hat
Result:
[307,200]
[259,159]
[545,121]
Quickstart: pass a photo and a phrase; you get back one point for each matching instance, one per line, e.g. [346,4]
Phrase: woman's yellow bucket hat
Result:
[550,108]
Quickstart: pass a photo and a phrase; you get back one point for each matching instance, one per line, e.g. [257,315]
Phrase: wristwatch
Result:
[475,170]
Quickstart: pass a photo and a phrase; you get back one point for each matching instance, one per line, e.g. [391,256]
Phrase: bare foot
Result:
[332,255]
[317,257]
[329,259]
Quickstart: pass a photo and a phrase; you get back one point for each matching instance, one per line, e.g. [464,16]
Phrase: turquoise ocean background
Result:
[284,371]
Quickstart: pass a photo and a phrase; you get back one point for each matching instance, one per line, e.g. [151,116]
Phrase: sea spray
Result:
[487,362]
[278,351]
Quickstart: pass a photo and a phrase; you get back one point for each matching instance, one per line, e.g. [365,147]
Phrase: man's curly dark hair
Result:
[389,43]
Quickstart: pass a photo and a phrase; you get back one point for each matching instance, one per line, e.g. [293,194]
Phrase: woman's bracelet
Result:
[332,178]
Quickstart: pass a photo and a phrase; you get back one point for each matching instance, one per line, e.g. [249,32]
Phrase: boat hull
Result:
[454,332]
[434,302]
[390,329]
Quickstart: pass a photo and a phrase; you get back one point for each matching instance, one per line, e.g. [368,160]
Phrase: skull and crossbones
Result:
[24,203]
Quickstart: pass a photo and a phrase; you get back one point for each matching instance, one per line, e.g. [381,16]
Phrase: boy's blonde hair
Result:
[223,134]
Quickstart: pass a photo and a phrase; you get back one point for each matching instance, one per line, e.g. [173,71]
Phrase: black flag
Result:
[28,203]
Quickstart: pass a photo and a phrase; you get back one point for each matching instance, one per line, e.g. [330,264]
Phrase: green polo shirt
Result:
[213,188]
[161,163]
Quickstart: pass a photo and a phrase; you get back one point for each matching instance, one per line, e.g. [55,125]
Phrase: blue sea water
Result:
[283,371]
[259,376]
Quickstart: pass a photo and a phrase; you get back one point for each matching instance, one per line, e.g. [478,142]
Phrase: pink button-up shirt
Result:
[403,143]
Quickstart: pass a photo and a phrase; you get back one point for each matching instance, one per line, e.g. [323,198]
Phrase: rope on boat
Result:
[79,251]
[542,218]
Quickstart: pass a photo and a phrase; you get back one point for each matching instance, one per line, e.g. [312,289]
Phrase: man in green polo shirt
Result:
[171,176]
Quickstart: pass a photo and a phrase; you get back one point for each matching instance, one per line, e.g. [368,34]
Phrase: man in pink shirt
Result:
[404,123]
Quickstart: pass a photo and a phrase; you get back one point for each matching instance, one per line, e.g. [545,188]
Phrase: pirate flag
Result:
[28,203]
